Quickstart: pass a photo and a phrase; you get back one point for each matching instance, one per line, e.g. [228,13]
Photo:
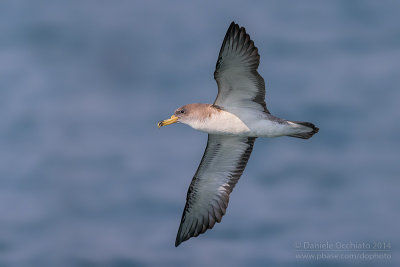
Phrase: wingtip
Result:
[234,25]
[178,241]
[231,27]
[179,238]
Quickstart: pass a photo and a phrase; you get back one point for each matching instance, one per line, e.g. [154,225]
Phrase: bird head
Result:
[190,114]
[180,115]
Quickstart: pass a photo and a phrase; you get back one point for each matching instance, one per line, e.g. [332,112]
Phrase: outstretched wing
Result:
[239,84]
[222,165]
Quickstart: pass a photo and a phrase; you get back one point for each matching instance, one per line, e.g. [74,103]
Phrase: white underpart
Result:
[221,122]
[246,122]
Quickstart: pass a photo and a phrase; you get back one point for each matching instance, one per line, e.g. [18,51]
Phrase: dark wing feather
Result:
[222,165]
[239,84]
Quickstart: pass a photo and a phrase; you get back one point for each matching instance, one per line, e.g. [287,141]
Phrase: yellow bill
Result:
[171,120]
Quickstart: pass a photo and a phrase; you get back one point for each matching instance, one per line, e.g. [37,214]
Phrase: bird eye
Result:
[182,111]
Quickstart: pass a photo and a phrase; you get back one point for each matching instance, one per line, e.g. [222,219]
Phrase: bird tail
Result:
[306,129]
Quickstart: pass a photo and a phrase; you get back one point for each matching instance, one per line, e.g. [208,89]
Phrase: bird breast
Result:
[221,122]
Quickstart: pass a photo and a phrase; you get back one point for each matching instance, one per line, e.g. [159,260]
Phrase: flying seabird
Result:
[233,122]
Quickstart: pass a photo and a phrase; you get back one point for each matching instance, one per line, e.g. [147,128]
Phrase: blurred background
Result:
[87,178]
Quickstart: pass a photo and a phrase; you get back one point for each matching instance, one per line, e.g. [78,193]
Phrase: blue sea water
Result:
[87,179]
